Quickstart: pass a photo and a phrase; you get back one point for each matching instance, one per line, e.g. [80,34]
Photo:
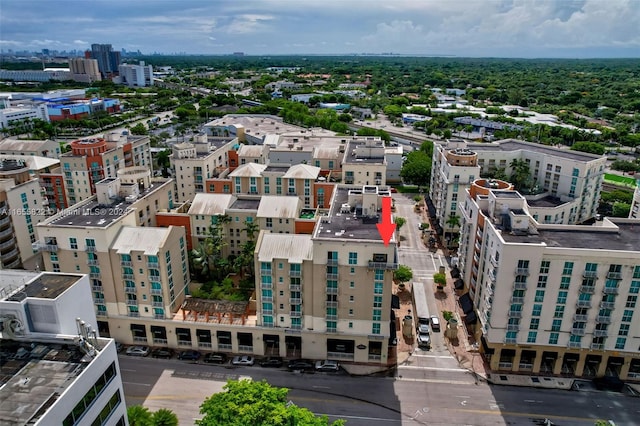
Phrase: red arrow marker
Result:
[387,227]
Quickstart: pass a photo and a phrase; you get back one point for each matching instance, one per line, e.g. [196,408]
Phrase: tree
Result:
[453,221]
[440,279]
[416,168]
[399,221]
[139,416]
[164,417]
[139,129]
[403,274]
[521,175]
[591,147]
[245,402]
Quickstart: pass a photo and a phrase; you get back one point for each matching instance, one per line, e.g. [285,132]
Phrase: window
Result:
[539,296]
[559,312]
[535,322]
[553,338]
[353,258]
[74,243]
[562,297]
[564,282]
[544,267]
[375,328]
[542,281]
[377,314]
[555,326]
[631,301]
[627,315]
[537,310]
[621,342]
[531,338]
[377,301]
[377,288]
[624,330]
[635,287]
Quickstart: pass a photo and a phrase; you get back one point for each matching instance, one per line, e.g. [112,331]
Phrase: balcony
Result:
[583,303]
[577,331]
[579,318]
[382,265]
[332,290]
[94,275]
[332,304]
[295,301]
[574,345]
[588,289]
[295,287]
[154,279]
[295,327]
[101,313]
[332,329]
[295,273]
[127,277]
[99,300]
[347,356]
[614,275]
[267,312]
[607,305]
[506,365]
[157,304]
[10,255]
[9,231]
[610,290]
[603,319]
[492,276]
[132,302]
[517,299]
[268,299]
[265,272]
[513,327]
[97,288]
[156,291]
[590,274]
[600,333]
[7,244]
[93,262]
[158,341]
[158,316]
[597,346]
[90,249]
[206,345]
[522,271]
[153,265]
[515,314]
[245,349]
[136,315]
[493,261]
[266,285]
[126,263]
[519,286]
[332,262]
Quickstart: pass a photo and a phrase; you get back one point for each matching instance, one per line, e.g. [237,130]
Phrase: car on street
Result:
[243,360]
[272,361]
[137,351]
[301,364]
[423,329]
[327,365]
[189,355]
[165,353]
[435,323]
[424,341]
[119,347]
[215,358]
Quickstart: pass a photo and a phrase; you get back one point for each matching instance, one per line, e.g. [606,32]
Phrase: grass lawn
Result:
[620,180]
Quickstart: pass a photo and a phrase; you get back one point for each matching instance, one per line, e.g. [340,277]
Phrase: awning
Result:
[455,272]
[395,301]
[465,303]
[458,284]
[471,318]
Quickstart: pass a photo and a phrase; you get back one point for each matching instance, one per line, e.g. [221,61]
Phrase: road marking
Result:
[462,396]
[136,384]
[431,356]
[321,387]
[379,419]
[124,369]
[449,382]
[417,367]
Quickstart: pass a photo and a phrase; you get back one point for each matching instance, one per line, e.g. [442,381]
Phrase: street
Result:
[443,398]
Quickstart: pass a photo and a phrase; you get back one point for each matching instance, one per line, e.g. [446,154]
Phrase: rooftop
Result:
[94,214]
[294,247]
[140,238]
[548,201]
[211,204]
[624,238]
[45,286]
[245,204]
[11,144]
[278,206]
[515,145]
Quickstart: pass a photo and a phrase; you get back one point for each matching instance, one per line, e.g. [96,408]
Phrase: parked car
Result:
[215,358]
[165,353]
[327,365]
[137,351]
[119,347]
[243,360]
[435,323]
[189,355]
[424,341]
[272,361]
[301,364]
[423,329]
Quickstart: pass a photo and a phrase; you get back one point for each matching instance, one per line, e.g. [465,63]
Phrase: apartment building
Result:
[84,70]
[140,75]
[26,147]
[250,128]
[551,299]
[193,163]
[22,207]
[564,185]
[59,370]
[94,159]
[364,162]
[331,289]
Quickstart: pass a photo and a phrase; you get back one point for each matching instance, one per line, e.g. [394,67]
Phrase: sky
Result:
[468,28]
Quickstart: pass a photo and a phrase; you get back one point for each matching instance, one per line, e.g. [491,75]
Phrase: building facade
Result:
[140,75]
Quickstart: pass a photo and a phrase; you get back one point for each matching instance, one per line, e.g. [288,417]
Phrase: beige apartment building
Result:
[193,163]
[549,299]
[364,162]
[22,207]
[565,184]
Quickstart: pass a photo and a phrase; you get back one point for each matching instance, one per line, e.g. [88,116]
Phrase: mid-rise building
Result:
[108,59]
[85,70]
[14,114]
[364,162]
[562,186]
[550,298]
[46,148]
[140,75]
[56,368]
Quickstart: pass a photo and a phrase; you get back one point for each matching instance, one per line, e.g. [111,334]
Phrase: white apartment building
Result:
[193,163]
[12,115]
[53,351]
[565,184]
[549,298]
[364,162]
[634,212]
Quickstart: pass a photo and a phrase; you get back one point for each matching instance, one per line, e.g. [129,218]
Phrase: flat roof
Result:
[295,247]
[625,238]
[140,238]
[280,206]
[30,386]
[547,201]
[94,214]
[45,286]
[515,145]
[346,226]
[245,204]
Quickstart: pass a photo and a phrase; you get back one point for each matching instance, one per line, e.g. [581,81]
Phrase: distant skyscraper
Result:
[108,59]
[84,70]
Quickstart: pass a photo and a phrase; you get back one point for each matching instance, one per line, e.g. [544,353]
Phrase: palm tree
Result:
[139,416]
[452,222]
[164,417]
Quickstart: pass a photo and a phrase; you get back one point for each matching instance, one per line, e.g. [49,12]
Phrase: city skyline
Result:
[519,28]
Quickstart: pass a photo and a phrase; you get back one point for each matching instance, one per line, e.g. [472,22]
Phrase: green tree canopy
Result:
[416,168]
[403,274]
[139,416]
[591,147]
[399,221]
[246,402]
[139,129]
[164,417]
